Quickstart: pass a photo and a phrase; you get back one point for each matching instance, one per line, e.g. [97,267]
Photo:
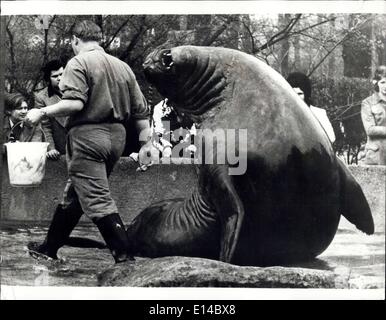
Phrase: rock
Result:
[198,272]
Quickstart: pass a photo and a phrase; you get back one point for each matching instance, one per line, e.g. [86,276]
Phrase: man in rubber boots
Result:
[99,93]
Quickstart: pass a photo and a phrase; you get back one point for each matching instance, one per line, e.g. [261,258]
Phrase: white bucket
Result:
[26,160]
[26,163]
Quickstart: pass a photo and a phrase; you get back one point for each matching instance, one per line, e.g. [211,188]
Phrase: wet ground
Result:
[363,255]
[79,268]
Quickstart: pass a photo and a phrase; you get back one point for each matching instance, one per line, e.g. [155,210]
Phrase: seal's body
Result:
[286,206]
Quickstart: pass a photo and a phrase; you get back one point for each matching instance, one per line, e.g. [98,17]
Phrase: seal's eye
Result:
[167,60]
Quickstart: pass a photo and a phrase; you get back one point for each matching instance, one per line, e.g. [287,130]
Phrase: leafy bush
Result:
[341,98]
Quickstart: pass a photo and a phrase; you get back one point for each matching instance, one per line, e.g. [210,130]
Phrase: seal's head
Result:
[158,71]
[188,76]
[169,70]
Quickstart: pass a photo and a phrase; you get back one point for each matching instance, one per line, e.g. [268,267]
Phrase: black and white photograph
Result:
[193,150]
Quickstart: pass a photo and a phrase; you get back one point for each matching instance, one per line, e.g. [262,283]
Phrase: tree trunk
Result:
[183,22]
[331,60]
[12,81]
[203,31]
[374,53]
[357,52]
[246,40]
[285,45]
[45,51]
[297,62]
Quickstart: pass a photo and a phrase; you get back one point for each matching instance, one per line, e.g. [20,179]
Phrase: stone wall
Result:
[134,191]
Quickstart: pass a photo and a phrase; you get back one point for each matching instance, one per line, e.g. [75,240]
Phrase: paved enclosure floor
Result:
[364,255]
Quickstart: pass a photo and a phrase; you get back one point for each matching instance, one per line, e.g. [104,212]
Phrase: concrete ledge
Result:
[134,191]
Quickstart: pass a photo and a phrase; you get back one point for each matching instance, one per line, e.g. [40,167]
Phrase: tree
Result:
[316,44]
[357,51]
[342,98]
[285,24]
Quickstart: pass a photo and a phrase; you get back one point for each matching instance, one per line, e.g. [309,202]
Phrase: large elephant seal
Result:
[286,206]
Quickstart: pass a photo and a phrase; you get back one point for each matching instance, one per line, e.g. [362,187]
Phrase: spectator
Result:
[302,86]
[54,127]
[172,130]
[16,109]
[373,113]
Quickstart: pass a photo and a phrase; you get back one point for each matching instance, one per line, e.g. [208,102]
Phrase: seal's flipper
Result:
[353,204]
[229,208]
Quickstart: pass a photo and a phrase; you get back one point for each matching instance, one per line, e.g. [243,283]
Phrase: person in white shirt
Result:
[302,86]
[175,132]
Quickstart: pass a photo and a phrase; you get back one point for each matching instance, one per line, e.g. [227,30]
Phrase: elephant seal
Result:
[286,207]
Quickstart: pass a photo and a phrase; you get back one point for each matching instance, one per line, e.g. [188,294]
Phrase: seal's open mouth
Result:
[167,59]
[158,63]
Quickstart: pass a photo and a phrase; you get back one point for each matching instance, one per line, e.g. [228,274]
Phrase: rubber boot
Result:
[113,232]
[62,224]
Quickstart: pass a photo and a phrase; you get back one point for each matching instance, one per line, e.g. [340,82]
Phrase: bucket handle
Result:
[29,138]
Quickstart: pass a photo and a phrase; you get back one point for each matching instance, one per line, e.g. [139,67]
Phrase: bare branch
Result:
[134,40]
[212,37]
[282,34]
[12,55]
[347,35]
[315,25]
[314,38]
[108,43]
[52,21]
[251,36]
[288,31]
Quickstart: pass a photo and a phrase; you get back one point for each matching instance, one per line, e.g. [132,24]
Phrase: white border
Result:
[186,7]
[129,293]
[189,7]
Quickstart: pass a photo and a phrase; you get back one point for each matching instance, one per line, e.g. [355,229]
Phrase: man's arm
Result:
[377,131]
[371,128]
[46,123]
[65,107]
[366,115]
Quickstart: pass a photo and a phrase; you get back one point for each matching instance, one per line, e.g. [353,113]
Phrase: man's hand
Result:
[53,154]
[33,117]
